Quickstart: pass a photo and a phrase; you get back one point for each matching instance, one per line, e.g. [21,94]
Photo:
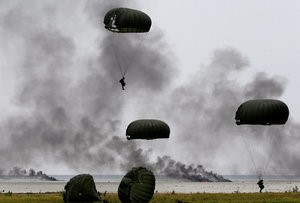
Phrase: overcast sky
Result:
[266,32]
[63,110]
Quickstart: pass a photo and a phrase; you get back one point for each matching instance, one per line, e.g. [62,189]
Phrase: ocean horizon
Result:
[164,184]
[118,177]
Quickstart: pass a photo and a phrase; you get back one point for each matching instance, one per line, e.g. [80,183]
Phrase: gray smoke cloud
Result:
[72,109]
[205,110]
[73,103]
[264,86]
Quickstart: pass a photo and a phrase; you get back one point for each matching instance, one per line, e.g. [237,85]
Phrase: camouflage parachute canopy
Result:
[126,20]
[262,112]
[81,188]
[137,186]
[147,129]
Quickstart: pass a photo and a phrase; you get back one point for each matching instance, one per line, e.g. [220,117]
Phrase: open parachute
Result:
[126,20]
[262,112]
[147,129]
[126,26]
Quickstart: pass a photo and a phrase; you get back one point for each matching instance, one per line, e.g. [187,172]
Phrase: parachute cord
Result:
[250,154]
[268,163]
[272,141]
[117,58]
[131,57]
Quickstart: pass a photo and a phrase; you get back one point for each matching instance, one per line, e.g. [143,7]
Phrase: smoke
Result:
[71,100]
[71,111]
[164,165]
[167,166]
[264,86]
[17,172]
[203,119]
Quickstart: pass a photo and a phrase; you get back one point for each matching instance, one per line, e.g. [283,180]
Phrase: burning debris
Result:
[164,165]
[167,166]
[19,173]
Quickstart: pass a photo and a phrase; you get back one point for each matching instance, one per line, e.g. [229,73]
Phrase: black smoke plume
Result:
[19,173]
[167,166]
[164,165]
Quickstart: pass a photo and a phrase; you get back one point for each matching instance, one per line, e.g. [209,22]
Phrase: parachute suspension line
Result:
[124,69]
[139,41]
[250,152]
[116,56]
[151,143]
[272,141]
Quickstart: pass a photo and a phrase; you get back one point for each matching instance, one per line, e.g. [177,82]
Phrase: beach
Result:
[240,184]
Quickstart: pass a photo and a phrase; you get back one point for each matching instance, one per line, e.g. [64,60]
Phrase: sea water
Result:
[110,183]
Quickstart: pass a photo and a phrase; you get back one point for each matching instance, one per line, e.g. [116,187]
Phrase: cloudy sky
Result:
[63,110]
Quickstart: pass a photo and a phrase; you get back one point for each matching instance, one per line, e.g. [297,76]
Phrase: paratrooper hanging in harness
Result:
[125,21]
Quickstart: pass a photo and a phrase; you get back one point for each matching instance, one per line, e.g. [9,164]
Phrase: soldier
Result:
[122,81]
[260,184]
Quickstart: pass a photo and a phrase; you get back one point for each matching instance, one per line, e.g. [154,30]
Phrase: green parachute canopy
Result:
[147,129]
[125,20]
[137,186]
[81,188]
[262,112]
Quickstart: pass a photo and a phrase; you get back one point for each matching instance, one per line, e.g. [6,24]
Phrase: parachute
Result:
[147,129]
[137,186]
[126,20]
[262,112]
[81,188]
